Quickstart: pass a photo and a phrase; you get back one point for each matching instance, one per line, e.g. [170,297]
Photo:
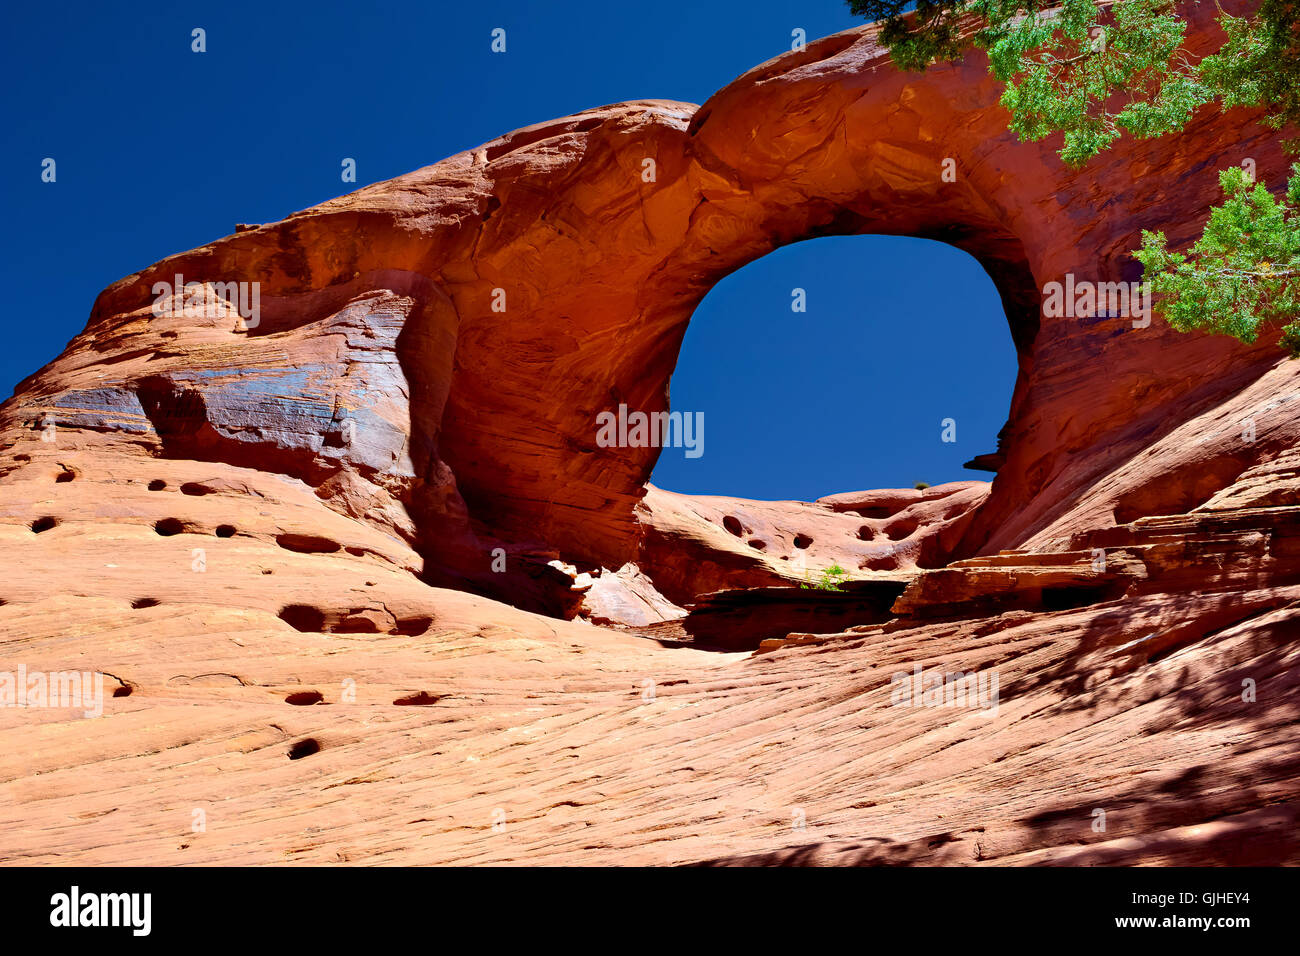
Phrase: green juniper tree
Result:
[1063,64]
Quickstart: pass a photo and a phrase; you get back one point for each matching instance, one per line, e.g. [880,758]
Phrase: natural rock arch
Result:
[829,141]
[479,424]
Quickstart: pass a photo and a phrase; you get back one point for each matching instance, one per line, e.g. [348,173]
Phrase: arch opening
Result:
[855,388]
[840,364]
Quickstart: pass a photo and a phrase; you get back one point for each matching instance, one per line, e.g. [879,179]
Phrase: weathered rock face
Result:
[233,516]
[696,544]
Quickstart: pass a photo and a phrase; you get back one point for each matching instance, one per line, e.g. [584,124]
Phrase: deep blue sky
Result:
[899,334]
[160,150]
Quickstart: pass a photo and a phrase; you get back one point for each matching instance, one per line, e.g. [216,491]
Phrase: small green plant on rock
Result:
[828,580]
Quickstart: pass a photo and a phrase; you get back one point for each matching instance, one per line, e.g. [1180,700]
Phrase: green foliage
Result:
[1096,72]
[1259,65]
[1243,270]
[828,580]
[1061,70]
[1066,70]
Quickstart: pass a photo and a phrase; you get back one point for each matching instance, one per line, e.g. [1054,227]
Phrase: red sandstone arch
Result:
[601,271]
[832,140]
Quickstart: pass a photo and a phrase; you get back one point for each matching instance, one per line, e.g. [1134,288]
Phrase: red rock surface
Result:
[278,542]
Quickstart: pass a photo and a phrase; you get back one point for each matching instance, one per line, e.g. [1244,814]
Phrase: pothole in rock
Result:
[307,543]
[422,699]
[305,698]
[304,748]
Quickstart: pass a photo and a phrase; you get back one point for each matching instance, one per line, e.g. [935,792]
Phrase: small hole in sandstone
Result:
[901,529]
[422,699]
[757,544]
[66,475]
[801,541]
[356,552]
[356,623]
[195,488]
[879,564]
[865,533]
[304,748]
[44,524]
[304,698]
[157,485]
[139,603]
[303,617]
[732,524]
[307,543]
[22,457]
[169,526]
[225,531]
[876,513]
[413,626]
[124,690]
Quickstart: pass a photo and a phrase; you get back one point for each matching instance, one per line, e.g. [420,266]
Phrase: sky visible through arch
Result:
[899,334]
[160,149]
